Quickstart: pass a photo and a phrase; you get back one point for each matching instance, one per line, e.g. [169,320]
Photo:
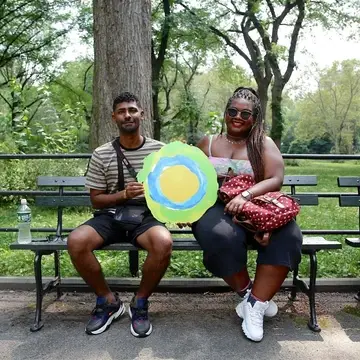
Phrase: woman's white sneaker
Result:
[270,312]
[253,312]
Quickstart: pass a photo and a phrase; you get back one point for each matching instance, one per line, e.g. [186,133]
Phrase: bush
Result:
[21,174]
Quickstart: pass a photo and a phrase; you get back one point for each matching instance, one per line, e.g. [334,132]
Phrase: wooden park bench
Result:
[183,240]
[353,201]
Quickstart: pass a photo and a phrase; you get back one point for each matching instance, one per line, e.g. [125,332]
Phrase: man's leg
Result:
[158,243]
[81,244]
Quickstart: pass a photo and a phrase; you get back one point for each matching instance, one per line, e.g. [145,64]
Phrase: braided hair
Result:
[255,140]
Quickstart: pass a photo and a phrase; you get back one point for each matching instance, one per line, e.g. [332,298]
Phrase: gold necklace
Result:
[234,142]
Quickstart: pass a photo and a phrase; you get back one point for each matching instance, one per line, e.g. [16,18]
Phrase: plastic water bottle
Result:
[24,222]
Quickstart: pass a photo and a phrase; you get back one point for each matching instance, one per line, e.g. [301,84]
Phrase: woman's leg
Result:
[275,260]
[224,247]
[268,280]
[273,264]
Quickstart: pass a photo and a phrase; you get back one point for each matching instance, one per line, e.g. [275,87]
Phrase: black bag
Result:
[131,214]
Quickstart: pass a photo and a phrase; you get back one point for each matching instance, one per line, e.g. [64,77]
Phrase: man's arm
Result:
[101,200]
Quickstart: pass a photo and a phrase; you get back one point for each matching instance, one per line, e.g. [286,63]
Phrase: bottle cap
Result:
[23,202]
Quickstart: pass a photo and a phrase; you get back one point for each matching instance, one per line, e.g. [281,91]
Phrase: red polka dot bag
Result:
[263,213]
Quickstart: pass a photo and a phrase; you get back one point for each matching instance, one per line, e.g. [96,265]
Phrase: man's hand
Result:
[182,225]
[234,206]
[134,189]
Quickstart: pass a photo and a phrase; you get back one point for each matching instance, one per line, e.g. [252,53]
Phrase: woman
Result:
[244,149]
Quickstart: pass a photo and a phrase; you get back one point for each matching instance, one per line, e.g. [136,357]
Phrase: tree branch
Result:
[294,40]
[165,32]
[34,113]
[221,35]
[7,102]
[271,8]
[85,77]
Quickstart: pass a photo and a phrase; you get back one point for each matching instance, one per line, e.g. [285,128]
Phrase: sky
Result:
[320,47]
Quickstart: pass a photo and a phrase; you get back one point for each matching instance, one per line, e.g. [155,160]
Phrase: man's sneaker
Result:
[270,312]
[140,323]
[103,315]
[253,312]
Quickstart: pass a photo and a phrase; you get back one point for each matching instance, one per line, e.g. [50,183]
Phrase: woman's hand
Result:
[234,206]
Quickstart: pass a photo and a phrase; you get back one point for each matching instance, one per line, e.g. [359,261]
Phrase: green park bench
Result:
[353,201]
[183,240]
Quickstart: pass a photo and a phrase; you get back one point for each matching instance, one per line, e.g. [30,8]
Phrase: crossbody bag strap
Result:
[121,158]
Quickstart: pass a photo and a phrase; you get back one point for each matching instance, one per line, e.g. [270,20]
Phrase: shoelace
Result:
[98,309]
[140,314]
[257,316]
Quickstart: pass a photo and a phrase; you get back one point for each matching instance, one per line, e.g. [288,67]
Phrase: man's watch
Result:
[247,195]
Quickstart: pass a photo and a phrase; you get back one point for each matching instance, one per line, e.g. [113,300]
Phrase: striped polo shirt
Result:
[102,173]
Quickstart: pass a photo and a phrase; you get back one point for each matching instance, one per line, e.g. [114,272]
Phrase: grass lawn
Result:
[328,215]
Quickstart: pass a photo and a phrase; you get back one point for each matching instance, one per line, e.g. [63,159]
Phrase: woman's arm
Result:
[203,145]
[273,177]
[273,170]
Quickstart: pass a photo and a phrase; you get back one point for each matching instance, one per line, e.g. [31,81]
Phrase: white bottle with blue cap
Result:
[24,222]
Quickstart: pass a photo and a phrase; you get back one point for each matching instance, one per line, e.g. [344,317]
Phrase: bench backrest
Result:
[302,180]
[61,200]
[78,198]
[349,200]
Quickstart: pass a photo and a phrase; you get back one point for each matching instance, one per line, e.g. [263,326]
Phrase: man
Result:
[102,230]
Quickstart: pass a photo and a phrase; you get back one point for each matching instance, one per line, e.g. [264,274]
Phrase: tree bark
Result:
[122,62]
[263,95]
[157,64]
[277,123]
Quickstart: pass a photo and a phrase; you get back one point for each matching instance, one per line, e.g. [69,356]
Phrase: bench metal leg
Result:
[39,293]
[134,262]
[293,293]
[57,273]
[312,324]
[357,296]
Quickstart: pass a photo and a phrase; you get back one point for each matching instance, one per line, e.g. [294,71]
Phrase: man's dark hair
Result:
[125,97]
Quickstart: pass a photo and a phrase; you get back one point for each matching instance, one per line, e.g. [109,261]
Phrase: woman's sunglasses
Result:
[244,114]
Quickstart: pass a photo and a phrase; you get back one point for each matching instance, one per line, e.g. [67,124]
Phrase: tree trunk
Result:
[277,125]
[262,91]
[157,117]
[122,62]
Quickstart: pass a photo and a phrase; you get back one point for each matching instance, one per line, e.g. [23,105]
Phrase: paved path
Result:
[186,326]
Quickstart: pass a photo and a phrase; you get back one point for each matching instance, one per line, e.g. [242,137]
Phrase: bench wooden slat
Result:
[62,201]
[349,200]
[307,199]
[61,181]
[354,242]
[348,181]
[309,243]
[308,180]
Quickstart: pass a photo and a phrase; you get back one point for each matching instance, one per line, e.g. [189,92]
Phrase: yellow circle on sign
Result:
[178,183]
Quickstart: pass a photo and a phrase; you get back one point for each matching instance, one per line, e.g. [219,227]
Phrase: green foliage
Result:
[328,215]
[21,174]
[26,27]
[198,109]
[331,112]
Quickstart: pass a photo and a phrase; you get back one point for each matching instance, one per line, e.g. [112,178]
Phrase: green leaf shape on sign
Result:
[180,183]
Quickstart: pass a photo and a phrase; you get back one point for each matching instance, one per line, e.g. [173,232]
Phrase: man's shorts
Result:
[105,225]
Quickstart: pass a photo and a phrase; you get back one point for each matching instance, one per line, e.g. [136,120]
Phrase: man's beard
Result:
[128,130]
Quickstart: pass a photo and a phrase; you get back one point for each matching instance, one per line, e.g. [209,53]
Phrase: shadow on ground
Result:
[195,326]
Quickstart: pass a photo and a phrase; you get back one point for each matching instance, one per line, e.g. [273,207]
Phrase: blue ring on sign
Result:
[154,182]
